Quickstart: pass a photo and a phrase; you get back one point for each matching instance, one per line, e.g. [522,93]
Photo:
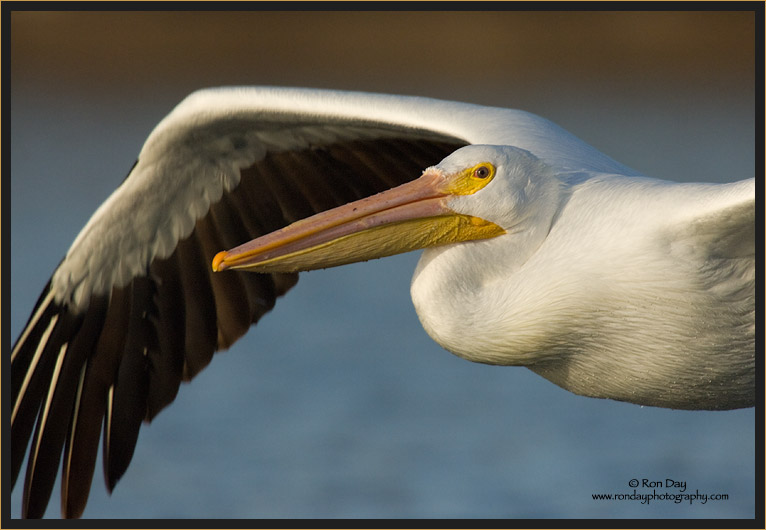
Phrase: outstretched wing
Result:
[713,241]
[134,307]
[717,239]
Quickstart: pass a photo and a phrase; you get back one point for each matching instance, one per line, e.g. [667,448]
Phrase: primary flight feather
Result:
[540,252]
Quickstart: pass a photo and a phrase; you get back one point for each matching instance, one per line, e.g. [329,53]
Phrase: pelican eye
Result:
[481,172]
[472,179]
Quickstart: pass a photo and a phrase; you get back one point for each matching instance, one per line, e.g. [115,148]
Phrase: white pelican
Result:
[540,252]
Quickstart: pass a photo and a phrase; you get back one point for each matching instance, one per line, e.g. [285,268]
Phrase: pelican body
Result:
[539,251]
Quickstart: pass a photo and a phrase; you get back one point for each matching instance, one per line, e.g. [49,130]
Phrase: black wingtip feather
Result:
[57,417]
[201,333]
[166,363]
[82,444]
[129,402]
[45,387]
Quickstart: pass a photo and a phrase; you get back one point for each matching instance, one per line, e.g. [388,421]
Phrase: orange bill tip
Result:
[218,264]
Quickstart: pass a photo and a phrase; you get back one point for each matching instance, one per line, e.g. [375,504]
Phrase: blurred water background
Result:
[338,404]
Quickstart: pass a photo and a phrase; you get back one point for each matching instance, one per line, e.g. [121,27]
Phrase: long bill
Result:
[409,217]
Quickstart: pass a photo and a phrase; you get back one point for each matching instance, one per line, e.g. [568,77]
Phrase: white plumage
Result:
[607,283]
[625,288]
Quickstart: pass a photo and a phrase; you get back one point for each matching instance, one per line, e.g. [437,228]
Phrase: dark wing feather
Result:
[90,405]
[124,358]
[47,392]
[26,367]
[128,394]
[166,363]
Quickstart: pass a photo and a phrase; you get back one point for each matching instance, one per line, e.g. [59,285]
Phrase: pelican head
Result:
[478,192]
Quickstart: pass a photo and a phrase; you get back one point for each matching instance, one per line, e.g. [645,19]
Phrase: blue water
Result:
[339,405]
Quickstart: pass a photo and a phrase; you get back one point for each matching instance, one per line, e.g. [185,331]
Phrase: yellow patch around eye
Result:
[472,179]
